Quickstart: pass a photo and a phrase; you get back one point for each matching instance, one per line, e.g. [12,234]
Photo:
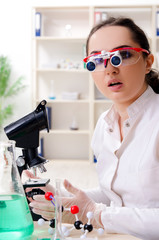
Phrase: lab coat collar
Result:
[112,115]
[141,102]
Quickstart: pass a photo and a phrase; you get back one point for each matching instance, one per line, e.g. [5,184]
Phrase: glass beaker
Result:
[15,218]
[58,234]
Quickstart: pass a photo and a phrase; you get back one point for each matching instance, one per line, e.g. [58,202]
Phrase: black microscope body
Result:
[25,133]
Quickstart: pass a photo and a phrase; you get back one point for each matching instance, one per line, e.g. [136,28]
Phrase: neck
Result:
[122,111]
[123,115]
[121,107]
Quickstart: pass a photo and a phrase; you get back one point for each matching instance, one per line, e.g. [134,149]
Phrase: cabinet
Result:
[60,77]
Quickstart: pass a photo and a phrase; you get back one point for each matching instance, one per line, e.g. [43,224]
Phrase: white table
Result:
[42,232]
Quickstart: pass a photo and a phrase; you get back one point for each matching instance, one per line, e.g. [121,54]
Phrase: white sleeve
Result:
[142,223]
[98,196]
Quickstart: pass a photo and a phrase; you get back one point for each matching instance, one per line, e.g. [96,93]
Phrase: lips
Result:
[115,85]
[114,82]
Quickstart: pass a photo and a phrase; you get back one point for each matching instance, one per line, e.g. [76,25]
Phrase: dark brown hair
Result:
[138,35]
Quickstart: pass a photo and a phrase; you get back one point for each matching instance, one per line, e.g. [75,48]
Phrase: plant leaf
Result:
[5,71]
[15,88]
[5,113]
[7,89]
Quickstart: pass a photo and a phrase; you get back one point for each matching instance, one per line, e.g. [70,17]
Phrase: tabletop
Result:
[41,233]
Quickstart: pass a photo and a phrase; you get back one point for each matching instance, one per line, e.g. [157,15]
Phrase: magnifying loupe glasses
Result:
[118,57]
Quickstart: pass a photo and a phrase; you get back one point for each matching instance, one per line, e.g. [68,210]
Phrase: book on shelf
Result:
[97,17]
[100,16]
[84,55]
[157,23]
[104,16]
[94,159]
[37,24]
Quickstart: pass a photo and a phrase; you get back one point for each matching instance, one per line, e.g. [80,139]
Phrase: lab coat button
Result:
[110,130]
[127,124]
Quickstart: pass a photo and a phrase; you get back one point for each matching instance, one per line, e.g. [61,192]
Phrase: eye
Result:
[125,54]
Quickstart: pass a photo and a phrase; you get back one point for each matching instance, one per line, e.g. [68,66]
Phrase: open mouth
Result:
[114,84]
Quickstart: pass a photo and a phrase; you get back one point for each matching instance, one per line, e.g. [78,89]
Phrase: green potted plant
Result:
[8,89]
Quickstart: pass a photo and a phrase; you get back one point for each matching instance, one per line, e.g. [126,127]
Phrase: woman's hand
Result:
[42,207]
[47,188]
[39,204]
[85,205]
[46,209]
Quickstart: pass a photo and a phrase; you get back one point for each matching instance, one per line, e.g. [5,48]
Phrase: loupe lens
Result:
[91,66]
[116,61]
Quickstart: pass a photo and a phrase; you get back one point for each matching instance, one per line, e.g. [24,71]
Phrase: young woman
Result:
[126,137]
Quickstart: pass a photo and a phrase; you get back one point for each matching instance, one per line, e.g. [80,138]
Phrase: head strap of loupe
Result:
[106,55]
[113,55]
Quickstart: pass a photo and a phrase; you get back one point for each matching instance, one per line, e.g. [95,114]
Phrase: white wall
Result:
[15,39]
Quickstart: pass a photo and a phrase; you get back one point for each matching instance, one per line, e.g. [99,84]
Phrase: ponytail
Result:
[152,79]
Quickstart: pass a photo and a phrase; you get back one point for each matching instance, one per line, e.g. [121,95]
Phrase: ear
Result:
[149,62]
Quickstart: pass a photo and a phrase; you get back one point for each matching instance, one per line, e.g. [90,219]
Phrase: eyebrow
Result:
[121,46]
[95,52]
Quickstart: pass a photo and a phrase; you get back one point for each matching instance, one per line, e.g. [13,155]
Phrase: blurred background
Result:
[15,38]
[16,43]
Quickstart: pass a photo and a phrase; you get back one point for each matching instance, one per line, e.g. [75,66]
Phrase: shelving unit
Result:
[57,55]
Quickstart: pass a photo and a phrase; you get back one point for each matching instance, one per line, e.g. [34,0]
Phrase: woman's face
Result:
[131,78]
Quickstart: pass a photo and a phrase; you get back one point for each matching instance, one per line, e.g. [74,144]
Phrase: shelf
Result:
[59,54]
[66,146]
[55,19]
[62,101]
[80,132]
[67,39]
[61,70]
[103,101]
[85,161]
[141,14]
[125,9]
[58,57]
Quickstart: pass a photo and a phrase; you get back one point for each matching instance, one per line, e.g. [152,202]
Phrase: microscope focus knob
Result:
[20,161]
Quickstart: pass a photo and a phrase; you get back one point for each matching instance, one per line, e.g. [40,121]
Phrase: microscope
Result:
[25,133]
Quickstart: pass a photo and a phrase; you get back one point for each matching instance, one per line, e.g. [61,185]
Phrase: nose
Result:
[110,69]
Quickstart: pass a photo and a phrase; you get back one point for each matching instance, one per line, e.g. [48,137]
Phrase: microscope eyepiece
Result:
[25,132]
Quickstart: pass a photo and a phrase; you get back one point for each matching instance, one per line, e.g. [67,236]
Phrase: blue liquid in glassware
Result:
[15,218]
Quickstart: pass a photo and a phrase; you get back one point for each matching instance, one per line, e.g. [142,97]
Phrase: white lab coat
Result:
[128,171]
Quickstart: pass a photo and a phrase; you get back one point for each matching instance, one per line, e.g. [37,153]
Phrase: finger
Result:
[39,198]
[28,189]
[29,174]
[44,206]
[44,214]
[70,188]
[29,199]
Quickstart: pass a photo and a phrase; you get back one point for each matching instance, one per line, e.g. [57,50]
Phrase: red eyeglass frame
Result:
[117,49]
